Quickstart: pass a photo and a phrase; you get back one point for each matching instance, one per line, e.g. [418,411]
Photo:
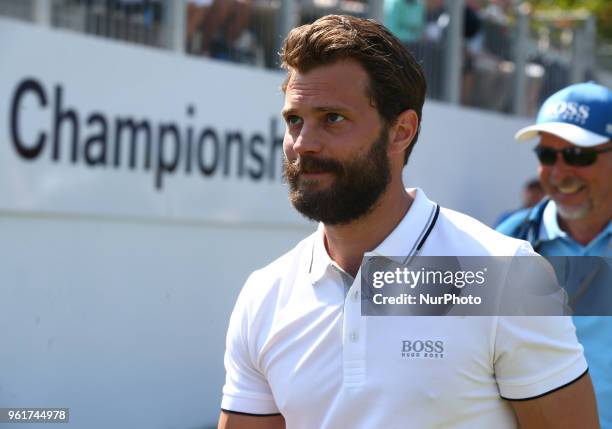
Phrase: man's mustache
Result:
[311,165]
[566,182]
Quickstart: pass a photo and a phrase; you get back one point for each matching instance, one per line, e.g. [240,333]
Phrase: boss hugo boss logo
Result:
[568,111]
[422,349]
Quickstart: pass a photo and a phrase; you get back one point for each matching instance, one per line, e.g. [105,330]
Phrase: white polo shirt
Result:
[298,345]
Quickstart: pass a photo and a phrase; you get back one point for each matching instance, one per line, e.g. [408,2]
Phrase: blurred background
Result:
[117,278]
[470,49]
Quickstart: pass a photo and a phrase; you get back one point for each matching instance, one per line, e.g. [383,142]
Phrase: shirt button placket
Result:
[354,350]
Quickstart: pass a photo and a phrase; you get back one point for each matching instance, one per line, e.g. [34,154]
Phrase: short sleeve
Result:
[246,389]
[535,355]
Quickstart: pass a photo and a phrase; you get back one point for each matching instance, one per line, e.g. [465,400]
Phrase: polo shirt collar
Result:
[550,229]
[320,261]
[402,241]
[404,238]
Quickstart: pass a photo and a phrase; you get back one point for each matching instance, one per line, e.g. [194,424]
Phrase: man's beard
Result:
[357,184]
[573,212]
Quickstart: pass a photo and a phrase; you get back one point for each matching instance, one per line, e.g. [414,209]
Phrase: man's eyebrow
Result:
[287,112]
[291,110]
[331,109]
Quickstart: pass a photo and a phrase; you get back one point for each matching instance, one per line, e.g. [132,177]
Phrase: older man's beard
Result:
[357,184]
[573,212]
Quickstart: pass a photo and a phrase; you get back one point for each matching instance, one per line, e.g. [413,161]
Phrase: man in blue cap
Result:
[574,127]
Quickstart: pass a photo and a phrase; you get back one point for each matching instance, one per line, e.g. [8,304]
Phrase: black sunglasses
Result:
[572,155]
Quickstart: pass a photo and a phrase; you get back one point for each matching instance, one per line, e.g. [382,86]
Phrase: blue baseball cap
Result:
[580,114]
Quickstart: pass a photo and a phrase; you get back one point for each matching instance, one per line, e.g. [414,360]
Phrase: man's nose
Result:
[307,141]
[560,170]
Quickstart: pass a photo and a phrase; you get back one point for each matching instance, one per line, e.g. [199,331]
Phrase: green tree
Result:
[602,9]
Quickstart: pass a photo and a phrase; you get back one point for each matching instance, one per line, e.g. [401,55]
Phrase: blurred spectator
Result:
[473,48]
[433,28]
[438,20]
[405,19]
[196,15]
[133,20]
[430,52]
[532,195]
[220,29]
[489,68]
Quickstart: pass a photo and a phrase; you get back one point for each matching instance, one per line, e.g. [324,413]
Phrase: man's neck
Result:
[582,231]
[346,244]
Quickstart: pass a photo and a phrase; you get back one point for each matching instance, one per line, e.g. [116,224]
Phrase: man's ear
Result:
[402,132]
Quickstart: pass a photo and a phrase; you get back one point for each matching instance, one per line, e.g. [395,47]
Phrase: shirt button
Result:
[355,295]
[354,336]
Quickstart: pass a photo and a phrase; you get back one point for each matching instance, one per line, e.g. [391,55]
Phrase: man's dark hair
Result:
[396,80]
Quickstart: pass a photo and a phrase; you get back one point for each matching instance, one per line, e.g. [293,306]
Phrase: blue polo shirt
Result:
[556,242]
[594,332]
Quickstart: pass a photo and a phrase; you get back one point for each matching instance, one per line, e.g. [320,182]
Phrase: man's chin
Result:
[573,212]
[306,209]
[309,196]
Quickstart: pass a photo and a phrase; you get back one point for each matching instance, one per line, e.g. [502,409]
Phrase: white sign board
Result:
[91,126]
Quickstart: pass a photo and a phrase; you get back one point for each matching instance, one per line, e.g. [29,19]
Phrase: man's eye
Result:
[293,120]
[334,118]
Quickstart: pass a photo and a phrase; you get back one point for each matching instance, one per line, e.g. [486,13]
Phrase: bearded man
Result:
[574,131]
[300,354]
